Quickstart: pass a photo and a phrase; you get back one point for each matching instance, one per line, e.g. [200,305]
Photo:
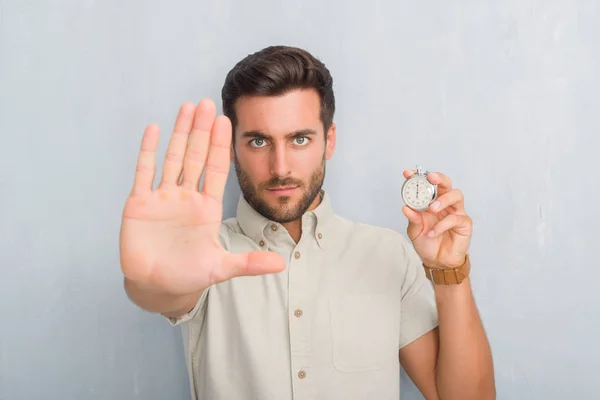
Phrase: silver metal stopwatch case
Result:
[417,192]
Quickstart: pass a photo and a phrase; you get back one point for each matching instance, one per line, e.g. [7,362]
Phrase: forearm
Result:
[153,300]
[464,366]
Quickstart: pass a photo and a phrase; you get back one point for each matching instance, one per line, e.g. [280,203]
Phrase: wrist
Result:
[154,299]
[449,276]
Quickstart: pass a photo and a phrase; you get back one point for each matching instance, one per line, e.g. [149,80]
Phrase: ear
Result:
[330,143]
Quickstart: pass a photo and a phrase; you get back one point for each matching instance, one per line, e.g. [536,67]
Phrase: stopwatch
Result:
[417,192]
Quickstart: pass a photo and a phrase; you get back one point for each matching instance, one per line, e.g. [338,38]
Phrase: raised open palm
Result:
[170,235]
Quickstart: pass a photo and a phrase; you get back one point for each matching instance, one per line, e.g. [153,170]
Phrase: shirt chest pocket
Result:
[365,331]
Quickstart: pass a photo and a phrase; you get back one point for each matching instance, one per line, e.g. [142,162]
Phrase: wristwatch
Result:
[448,276]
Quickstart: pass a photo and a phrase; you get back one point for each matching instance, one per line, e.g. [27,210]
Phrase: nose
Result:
[279,161]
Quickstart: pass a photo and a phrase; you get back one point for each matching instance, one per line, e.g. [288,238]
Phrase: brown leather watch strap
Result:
[449,276]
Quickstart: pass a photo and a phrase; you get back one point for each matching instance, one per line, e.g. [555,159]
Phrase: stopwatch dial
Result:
[418,193]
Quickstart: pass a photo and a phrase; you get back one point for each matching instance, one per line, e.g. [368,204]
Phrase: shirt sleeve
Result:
[195,313]
[419,313]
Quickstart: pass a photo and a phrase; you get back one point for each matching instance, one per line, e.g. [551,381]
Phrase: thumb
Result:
[252,263]
[415,222]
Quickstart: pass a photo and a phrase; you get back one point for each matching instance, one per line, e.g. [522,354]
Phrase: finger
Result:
[453,198]
[409,172]
[459,224]
[252,263]
[177,145]
[217,166]
[195,155]
[437,178]
[146,163]
[415,222]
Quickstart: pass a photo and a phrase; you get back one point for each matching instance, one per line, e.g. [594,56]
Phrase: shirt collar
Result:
[254,224]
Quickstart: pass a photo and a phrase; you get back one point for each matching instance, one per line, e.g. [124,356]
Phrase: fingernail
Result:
[435,205]
[431,233]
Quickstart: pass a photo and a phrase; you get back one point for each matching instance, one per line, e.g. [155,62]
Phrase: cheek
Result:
[305,163]
[255,165]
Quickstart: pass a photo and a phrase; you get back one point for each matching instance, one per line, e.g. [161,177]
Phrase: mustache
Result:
[276,182]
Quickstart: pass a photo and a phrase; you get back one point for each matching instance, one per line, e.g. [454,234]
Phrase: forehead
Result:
[279,115]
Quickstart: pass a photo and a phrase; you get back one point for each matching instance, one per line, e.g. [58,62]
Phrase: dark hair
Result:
[276,70]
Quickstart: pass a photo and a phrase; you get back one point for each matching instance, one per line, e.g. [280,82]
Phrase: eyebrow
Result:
[262,135]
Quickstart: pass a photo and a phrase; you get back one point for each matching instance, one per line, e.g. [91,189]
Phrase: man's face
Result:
[280,152]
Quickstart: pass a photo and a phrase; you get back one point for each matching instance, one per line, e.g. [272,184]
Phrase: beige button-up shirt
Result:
[327,327]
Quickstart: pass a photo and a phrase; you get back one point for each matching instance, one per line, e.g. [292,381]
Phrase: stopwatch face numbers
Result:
[418,192]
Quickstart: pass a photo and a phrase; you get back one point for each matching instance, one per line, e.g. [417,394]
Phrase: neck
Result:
[294,228]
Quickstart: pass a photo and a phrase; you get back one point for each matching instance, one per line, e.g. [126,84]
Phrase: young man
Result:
[290,300]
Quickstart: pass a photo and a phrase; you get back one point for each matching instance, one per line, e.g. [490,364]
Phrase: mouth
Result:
[283,190]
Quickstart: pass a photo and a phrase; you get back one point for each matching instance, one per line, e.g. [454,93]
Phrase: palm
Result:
[170,235]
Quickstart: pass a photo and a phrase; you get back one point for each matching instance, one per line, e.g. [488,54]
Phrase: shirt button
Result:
[262,243]
[298,312]
[274,227]
[320,235]
[297,255]
[301,374]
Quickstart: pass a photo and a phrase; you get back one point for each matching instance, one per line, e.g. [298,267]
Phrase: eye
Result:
[301,140]
[258,142]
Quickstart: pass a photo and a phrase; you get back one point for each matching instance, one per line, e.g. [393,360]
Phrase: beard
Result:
[285,211]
